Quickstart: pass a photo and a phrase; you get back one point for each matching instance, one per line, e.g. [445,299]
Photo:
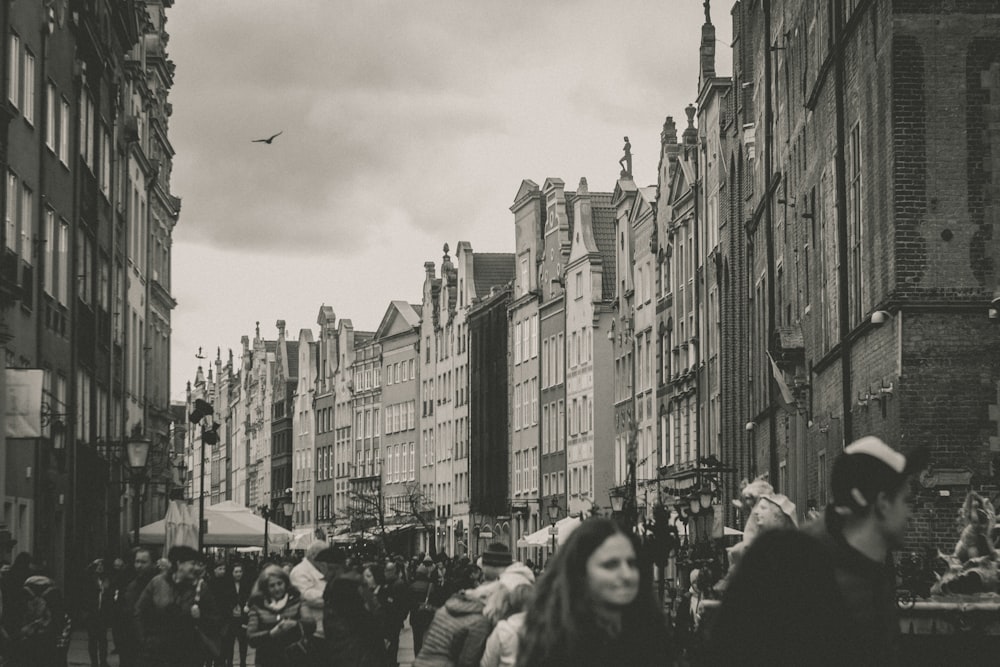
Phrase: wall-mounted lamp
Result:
[750,426]
[880,317]
[885,390]
[994,310]
[863,400]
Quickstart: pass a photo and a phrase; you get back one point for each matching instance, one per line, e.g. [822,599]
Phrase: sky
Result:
[406,124]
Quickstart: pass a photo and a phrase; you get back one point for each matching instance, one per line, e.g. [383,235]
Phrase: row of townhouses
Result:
[817,260]
[85,274]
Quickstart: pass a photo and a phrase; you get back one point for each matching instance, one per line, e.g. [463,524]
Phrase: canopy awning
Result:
[543,536]
[229,525]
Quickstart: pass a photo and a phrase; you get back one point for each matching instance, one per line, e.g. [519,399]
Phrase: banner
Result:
[23,414]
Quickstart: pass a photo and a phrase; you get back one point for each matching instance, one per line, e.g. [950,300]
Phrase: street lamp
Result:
[265,511]
[617,499]
[138,454]
[554,510]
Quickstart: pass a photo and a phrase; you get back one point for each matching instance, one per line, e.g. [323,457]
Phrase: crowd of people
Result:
[820,594]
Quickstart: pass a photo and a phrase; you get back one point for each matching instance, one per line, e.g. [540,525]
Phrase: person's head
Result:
[118,564]
[516,585]
[343,596]
[96,566]
[219,571]
[870,483]
[273,583]
[329,560]
[238,572]
[774,510]
[496,559]
[186,563]
[163,564]
[594,573]
[373,575]
[391,572]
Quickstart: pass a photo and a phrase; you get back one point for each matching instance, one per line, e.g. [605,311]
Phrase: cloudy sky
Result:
[406,124]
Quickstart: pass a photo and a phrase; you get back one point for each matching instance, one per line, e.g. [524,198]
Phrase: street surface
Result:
[78,650]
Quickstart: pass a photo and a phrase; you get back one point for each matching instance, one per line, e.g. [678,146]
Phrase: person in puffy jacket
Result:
[276,621]
[457,634]
[505,609]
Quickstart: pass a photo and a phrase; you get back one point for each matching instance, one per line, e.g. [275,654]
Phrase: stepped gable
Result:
[492,269]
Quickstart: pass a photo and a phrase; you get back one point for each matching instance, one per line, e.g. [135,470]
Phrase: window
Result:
[517,407]
[822,478]
[28,103]
[534,400]
[534,337]
[86,129]
[51,115]
[64,133]
[856,225]
[579,285]
[517,343]
[14,69]
[62,277]
[10,217]
[545,363]
[27,209]
[525,275]
[48,279]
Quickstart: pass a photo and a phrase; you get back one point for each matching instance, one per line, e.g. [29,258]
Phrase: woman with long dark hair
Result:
[275,620]
[595,605]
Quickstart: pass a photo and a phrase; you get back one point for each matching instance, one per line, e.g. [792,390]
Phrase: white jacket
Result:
[501,646]
[311,585]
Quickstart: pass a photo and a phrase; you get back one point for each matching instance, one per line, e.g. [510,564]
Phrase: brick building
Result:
[866,162]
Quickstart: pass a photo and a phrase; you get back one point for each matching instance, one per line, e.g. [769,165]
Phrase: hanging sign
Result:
[23,413]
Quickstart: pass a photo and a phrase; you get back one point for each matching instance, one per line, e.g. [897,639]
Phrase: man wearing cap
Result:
[866,520]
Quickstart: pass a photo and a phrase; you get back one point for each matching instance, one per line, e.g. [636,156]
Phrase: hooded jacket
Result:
[457,635]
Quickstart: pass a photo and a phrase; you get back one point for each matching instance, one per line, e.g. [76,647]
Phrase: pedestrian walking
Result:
[176,617]
[322,563]
[871,508]
[457,635]
[277,627]
[238,616]
[353,634]
[505,609]
[98,611]
[221,586]
[595,606]
[42,636]
[393,597]
[422,607]
[144,569]
[782,608]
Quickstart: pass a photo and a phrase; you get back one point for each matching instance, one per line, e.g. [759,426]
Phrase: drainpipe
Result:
[844,311]
[772,399]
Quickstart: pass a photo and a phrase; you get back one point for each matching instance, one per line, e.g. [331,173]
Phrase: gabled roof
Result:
[603,214]
[418,308]
[492,269]
[401,309]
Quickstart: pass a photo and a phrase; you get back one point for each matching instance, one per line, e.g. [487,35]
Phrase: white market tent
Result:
[229,525]
[543,538]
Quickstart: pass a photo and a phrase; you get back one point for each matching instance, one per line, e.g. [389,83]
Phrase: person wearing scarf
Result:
[276,621]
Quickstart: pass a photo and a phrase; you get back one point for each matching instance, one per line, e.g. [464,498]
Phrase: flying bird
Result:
[266,141]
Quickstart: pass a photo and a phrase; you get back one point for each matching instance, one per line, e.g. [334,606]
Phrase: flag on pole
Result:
[779,377]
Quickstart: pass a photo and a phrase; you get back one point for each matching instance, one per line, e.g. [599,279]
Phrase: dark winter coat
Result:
[868,591]
[167,630]
[271,649]
[457,635]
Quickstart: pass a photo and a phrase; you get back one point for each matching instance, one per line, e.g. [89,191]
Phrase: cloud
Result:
[406,125]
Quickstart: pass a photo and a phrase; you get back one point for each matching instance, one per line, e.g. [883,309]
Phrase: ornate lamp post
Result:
[554,510]
[138,455]
[265,511]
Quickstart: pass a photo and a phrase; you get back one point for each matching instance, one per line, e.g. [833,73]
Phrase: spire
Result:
[690,133]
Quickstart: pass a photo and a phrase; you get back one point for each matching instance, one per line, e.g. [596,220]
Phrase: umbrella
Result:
[542,537]
[180,526]
[229,524]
